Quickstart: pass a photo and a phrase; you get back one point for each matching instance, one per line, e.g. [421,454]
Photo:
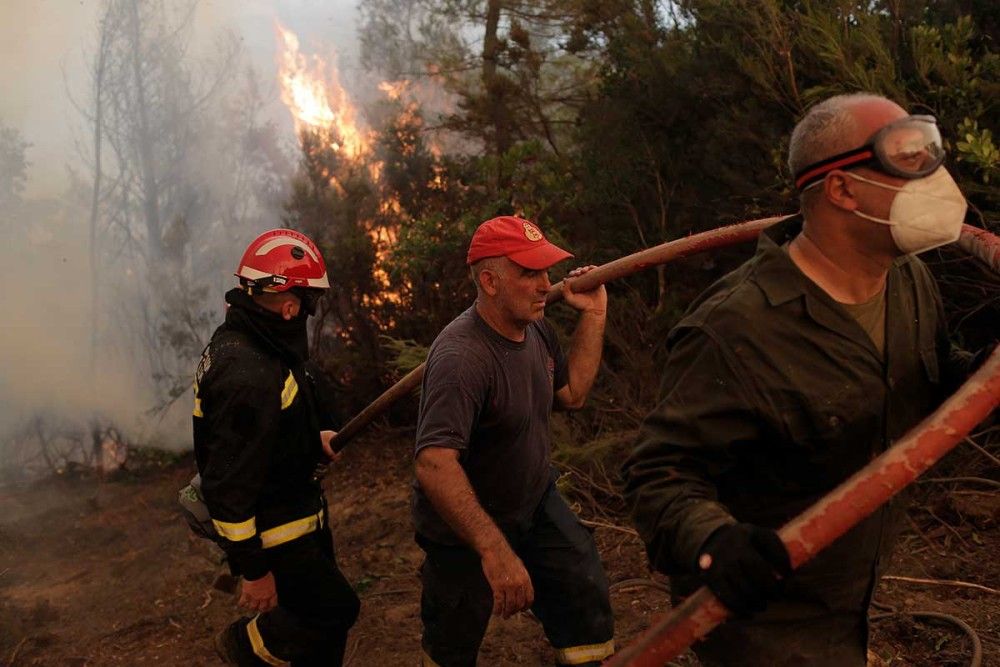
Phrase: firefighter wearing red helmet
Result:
[281,260]
[258,435]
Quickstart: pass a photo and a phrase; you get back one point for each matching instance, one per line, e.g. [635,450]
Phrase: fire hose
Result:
[836,513]
[619,268]
[832,516]
[976,242]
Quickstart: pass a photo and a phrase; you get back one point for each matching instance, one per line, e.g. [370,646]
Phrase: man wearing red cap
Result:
[498,536]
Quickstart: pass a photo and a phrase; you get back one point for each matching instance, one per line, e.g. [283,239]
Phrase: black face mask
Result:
[289,338]
[308,298]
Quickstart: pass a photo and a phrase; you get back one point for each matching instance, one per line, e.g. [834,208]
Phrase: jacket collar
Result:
[776,273]
[782,281]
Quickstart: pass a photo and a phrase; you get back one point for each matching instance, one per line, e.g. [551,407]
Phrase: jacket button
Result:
[834,421]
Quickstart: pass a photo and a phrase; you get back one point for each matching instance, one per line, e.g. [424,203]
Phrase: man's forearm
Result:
[671,499]
[449,490]
[585,355]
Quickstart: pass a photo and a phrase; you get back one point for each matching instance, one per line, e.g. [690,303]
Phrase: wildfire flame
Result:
[311,90]
[394,89]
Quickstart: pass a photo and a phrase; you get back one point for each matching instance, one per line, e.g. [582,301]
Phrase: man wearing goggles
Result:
[907,148]
[927,210]
[793,372]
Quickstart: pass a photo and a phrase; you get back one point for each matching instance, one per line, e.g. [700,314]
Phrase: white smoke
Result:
[51,364]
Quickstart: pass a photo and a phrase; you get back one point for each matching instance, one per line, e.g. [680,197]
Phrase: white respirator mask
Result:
[927,212]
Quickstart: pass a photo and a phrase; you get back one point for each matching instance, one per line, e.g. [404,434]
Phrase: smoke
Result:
[39,42]
[48,366]
[60,360]
[45,46]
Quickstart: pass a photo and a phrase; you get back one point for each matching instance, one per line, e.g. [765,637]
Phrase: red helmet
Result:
[278,260]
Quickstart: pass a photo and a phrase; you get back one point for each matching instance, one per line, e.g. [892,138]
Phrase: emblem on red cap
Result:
[517,239]
[531,232]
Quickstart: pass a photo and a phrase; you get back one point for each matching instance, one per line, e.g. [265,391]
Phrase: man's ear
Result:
[290,307]
[838,188]
[488,281]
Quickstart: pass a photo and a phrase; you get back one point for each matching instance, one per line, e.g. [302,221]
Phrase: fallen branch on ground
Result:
[982,450]
[17,649]
[393,591]
[948,480]
[609,526]
[626,584]
[943,582]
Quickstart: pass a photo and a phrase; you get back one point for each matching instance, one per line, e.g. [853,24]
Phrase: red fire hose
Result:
[828,519]
[835,514]
[619,268]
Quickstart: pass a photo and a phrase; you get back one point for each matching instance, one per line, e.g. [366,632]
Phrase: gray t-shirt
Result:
[491,398]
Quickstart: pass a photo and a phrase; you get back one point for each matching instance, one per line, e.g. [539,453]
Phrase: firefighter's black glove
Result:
[743,565]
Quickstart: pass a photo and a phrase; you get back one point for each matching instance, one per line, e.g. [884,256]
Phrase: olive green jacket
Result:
[773,394]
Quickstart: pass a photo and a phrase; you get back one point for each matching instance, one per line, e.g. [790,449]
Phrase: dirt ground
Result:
[106,573]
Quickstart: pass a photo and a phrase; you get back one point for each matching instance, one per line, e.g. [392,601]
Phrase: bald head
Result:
[834,126]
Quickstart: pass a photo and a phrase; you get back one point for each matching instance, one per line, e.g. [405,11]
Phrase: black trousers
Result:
[571,591]
[316,608]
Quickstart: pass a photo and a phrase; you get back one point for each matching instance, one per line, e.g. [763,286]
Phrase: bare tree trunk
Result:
[43,444]
[99,72]
[491,43]
[147,164]
[496,105]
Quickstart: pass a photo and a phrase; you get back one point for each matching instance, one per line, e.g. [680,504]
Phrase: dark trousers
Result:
[571,591]
[316,607]
[795,629]
[830,641]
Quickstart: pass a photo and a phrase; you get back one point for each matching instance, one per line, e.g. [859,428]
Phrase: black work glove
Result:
[743,565]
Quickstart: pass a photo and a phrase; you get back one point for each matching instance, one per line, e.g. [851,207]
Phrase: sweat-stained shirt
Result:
[772,395]
[490,398]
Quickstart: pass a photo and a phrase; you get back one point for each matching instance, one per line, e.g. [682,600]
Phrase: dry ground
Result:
[105,573]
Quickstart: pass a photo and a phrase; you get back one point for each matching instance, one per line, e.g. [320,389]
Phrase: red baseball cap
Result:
[516,239]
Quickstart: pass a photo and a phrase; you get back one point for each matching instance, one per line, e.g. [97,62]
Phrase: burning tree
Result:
[366,195]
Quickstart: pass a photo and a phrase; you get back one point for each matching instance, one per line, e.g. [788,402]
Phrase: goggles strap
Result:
[815,172]
[254,286]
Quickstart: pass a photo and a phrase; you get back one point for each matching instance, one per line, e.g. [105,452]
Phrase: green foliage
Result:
[334,202]
[976,146]
[143,461]
[618,125]
[405,354]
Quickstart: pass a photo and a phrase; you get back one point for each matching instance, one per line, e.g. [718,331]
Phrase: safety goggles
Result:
[907,148]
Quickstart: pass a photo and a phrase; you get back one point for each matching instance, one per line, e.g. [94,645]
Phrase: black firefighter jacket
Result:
[257,443]
[773,394]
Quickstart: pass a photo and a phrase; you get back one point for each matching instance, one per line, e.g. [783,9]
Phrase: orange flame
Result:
[312,92]
[383,238]
[394,89]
